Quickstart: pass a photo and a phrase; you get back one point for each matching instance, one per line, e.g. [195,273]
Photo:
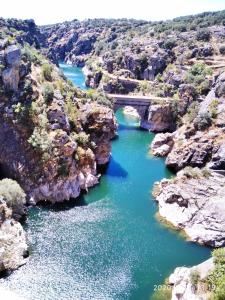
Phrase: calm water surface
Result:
[108,246]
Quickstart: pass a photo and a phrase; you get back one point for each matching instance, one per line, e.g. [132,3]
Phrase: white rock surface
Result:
[196,205]
[182,287]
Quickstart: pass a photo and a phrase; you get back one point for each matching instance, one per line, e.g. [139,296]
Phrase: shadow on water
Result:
[128,127]
[63,206]
[116,170]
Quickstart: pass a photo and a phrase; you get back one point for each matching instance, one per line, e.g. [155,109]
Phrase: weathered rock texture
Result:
[51,135]
[162,144]
[194,202]
[182,285]
[13,247]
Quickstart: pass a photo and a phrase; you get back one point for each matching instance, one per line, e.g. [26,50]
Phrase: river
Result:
[107,245]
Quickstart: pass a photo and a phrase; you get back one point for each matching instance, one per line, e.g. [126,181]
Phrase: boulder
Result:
[12,55]
[162,144]
[13,247]
[218,158]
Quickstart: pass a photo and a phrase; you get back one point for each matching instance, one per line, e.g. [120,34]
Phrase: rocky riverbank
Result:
[194,199]
[52,135]
[66,138]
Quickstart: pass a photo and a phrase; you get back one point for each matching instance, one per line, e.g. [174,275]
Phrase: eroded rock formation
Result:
[194,202]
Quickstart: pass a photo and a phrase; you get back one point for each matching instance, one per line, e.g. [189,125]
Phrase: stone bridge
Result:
[160,108]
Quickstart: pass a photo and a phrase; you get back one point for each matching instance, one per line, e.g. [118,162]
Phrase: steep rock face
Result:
[67,41]
[201,140]
[194,151]
[10,75]
[47,143]
[101,125]
[182,285]
[13,247]
[194,202]
[160,118]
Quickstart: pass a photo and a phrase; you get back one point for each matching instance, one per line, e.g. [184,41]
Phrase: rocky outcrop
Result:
[183,287]
[93,79]
[56,155]
[161,118]
[13,247]
[162,144]
[10,75]
[101,125]
[118,85]
[194,202]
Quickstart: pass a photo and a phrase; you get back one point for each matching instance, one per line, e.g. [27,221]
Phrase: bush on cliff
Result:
[197,76]
[203,35]
[30,54]
[46,71]
[217,277]
[12,193]
[202,121]
[48,92]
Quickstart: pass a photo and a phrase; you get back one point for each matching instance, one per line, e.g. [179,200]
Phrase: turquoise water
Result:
[74,74]
[107,245]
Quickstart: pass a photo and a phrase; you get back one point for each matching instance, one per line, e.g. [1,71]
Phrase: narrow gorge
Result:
[92,206]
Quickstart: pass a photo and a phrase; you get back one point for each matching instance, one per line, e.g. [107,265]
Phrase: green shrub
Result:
[81,138]
[216,278]
[63,170]
[41,140]
[194,277]
[48,92]
[31,54]
[192,112]
[46,71]
[213,108]
[11,191]
[190,172]
[203,87]
[203,121]
[203,35]
[197,75]
[100,97]
[170,44]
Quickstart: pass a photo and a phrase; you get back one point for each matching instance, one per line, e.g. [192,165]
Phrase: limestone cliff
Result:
[52,135]
[194,202]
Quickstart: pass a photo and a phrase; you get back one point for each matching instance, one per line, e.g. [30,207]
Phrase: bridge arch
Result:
[140,103]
